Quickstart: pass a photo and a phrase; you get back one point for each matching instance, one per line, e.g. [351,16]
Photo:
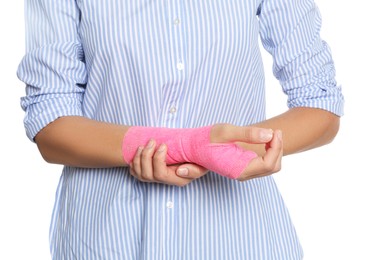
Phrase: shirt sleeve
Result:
[53,67]
[302,61]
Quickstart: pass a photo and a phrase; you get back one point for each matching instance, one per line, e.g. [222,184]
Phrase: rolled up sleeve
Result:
[53,68]
[302,61]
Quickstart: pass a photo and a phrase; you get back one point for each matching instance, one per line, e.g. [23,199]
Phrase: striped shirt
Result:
[170,64]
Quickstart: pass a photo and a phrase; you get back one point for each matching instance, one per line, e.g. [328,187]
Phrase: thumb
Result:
[222,133]
[191,171]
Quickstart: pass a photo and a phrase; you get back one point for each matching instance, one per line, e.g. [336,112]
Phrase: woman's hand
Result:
[269,163]
[260,166]
[149,165]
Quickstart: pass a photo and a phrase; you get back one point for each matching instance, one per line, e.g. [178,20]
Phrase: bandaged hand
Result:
[190,145]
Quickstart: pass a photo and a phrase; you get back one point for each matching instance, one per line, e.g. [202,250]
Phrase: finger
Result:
[231,133]
[146,161]
[274,152]
[278,166]
[191,171]
[160,168]
[269,163]
[163,173]
[136,163]
[132,172]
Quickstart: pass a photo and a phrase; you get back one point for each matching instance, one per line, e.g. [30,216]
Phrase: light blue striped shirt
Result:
[170,63]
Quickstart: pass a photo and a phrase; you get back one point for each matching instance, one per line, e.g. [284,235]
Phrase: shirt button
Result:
[170,204]
[172,110]
[176,21]
[180,66]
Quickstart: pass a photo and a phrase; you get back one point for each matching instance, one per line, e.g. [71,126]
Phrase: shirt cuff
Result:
[39,115]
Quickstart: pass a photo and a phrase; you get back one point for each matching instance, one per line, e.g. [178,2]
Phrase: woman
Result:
[98,72]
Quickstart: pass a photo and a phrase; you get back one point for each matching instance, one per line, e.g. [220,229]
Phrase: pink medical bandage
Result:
[190,145]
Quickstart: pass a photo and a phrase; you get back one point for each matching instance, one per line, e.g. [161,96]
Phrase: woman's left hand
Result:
[149,165]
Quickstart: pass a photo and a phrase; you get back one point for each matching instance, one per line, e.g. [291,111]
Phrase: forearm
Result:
[302,129]
[82,142]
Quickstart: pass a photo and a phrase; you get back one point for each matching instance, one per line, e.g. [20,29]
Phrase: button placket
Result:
[177,61]
[180,64]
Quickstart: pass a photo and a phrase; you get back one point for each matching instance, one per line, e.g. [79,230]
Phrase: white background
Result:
[325,189]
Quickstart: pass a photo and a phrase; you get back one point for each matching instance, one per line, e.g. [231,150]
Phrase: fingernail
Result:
[266,134]
[279,135]
[139,150]
[150,144]
[161,148]
[183,171]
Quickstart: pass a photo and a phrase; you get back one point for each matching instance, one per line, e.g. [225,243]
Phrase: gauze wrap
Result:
[190,145]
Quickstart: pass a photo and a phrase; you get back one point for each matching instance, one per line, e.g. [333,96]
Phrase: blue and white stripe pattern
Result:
[175,64]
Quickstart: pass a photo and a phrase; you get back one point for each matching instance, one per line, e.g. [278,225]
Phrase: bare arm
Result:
[82,142]
[302,129]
